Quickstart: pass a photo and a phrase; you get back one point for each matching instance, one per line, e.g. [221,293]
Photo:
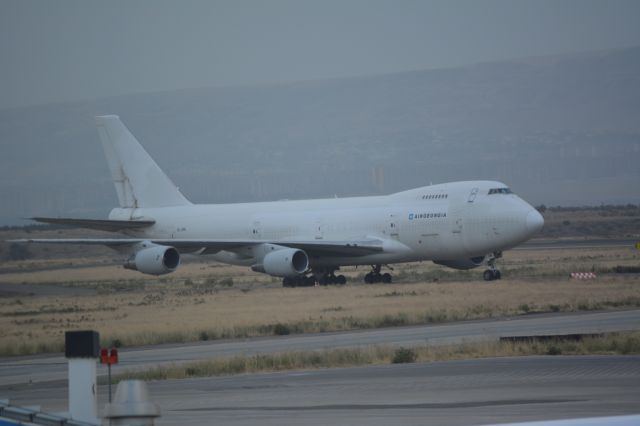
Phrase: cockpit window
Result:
[500,191]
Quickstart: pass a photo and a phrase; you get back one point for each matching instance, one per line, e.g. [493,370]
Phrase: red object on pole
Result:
[104,356]
[108,356]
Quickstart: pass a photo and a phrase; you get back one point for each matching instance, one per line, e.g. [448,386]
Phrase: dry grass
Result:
[196,303]
[615,343]
[84,272]
[607,221]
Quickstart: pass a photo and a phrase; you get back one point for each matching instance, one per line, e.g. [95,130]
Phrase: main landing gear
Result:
[331,278]
[299,281]
[492,273]
[376,277]
[321,277]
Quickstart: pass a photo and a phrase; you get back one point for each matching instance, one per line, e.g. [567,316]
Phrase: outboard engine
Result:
[154,260]
[287,262]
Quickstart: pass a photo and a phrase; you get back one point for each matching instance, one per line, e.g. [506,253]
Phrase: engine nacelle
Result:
[471,263]
[154,260]
[285,263]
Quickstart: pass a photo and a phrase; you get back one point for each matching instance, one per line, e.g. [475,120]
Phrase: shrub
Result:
[626,269]
[392,320]
[584,306]
[281,330]
[404,355]
[554,350]
[227,282]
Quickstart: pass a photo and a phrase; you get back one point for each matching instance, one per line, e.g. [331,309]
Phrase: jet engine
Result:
[154,260]
[471,263]
[287,262]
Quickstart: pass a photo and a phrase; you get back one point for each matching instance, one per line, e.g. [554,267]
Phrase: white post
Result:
[81,350]
[83,397]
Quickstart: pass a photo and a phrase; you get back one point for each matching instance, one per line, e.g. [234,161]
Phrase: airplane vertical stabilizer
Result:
[139,181]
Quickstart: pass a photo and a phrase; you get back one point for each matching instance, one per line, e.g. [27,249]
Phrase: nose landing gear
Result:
[492,273]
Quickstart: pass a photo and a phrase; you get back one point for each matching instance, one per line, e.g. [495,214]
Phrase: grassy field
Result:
[204,301]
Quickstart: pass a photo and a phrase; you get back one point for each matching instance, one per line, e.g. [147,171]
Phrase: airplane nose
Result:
[534,221]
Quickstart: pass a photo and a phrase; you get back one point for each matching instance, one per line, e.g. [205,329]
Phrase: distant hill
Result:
[562,130]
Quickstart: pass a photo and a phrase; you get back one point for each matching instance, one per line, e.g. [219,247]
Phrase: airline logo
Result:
[413,216]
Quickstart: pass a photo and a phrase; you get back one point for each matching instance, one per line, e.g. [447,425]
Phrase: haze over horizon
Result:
[434,94]
[77,50]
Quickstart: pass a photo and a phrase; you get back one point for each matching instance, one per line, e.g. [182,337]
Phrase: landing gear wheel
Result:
[326,276]
[288,282]
[376,277]
[492,273]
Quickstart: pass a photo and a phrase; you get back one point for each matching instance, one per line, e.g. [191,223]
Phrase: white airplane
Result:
[461,225]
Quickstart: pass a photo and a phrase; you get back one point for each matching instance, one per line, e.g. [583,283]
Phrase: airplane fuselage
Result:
[438,222]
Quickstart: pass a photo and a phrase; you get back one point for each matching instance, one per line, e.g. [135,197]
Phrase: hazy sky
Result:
[67,50]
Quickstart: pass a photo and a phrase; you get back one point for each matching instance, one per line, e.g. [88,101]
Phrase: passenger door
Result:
[393,225]
[256,230]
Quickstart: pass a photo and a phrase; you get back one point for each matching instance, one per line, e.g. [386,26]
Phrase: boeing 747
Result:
[461,225]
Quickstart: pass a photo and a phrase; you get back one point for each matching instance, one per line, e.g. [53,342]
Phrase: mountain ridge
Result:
[562,131]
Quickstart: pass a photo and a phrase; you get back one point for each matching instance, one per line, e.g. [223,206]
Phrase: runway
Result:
[473,392]
[38,369]
[556,243]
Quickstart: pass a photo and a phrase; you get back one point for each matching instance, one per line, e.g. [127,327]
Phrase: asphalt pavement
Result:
[471,392]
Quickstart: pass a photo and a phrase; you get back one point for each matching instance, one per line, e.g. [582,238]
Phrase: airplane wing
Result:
[207,246]
[109,242]
[99,224]
[337,248]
